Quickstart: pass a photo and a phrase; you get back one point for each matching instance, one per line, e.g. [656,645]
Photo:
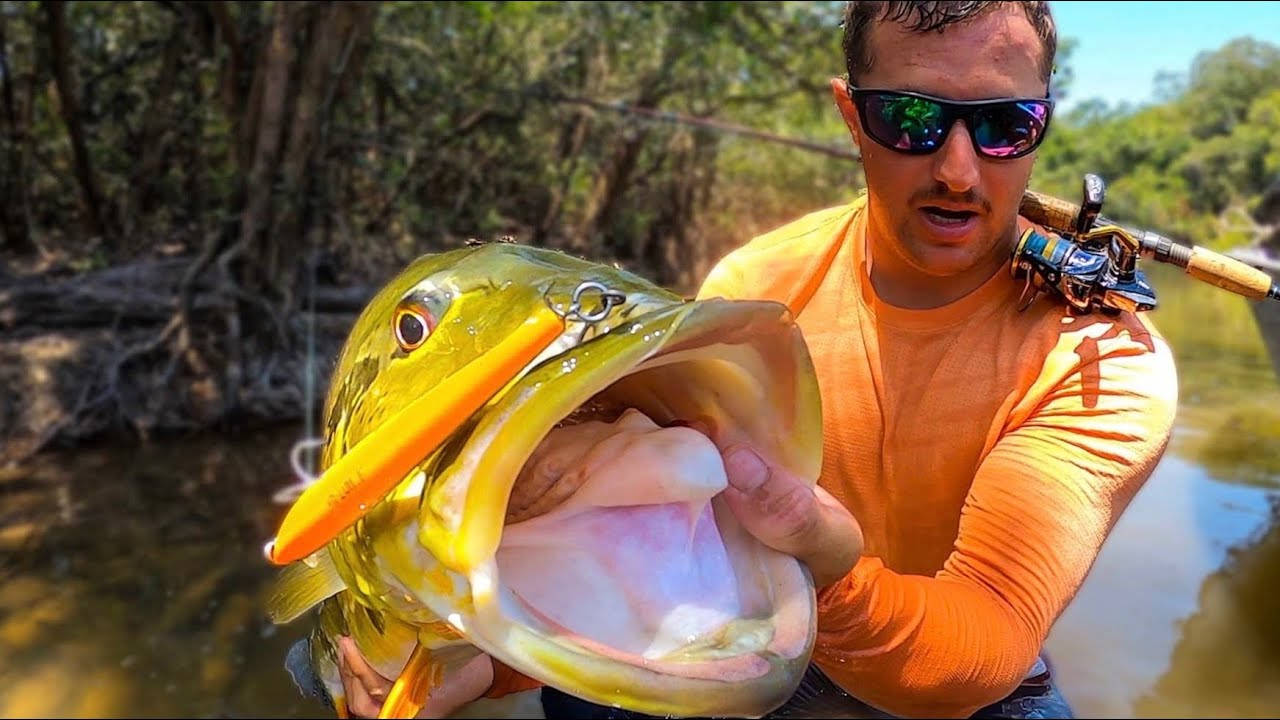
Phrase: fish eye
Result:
[412,326]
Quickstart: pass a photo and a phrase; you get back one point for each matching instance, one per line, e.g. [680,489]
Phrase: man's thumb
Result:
[746,471]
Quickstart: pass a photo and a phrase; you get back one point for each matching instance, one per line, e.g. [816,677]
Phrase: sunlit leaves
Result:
[1189,166]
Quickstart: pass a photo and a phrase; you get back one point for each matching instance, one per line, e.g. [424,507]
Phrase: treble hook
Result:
[610,299]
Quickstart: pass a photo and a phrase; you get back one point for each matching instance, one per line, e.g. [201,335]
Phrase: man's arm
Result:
[1041,505]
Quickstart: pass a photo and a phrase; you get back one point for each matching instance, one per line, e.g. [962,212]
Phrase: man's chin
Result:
[945,261]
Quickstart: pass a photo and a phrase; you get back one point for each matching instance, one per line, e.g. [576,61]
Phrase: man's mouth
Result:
[946,216]
[949,222]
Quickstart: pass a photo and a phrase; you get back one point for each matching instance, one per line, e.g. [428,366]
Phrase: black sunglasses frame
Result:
[952,110]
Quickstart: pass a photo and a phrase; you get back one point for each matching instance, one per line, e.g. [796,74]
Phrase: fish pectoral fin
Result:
[421,674]
[301,587]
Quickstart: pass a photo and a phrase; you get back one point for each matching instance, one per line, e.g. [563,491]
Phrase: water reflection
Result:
[1114,642]
[1174,619]
[133,582]
[1237,625]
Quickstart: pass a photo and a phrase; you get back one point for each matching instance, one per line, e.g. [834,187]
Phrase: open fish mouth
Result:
[625,579]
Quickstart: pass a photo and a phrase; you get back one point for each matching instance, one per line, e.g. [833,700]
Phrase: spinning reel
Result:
[1092,262]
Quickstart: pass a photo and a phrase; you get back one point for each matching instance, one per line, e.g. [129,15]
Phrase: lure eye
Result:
[412,327]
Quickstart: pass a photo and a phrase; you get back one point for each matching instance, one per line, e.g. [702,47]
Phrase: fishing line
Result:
[303,466]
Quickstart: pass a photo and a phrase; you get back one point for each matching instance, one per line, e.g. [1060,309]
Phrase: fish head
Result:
[634,587]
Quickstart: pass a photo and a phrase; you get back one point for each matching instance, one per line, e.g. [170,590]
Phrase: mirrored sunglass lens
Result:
[1010,129]
[905,123]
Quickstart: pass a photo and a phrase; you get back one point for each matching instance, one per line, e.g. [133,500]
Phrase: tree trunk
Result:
[194,177]
[275,64]
[14,209]
[336,31]
[60,55]
[229,80]
[610,185]
[592,60]
[612,180]
[157,120]
[566,165]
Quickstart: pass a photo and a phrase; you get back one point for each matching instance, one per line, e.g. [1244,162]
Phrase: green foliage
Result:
[464,120]
[1191,167]
[483,118]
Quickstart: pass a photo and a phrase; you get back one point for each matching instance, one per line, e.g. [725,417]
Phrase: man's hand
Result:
[366,689]
[789,516]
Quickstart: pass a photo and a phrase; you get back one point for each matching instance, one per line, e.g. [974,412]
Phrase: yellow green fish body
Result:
[421,566]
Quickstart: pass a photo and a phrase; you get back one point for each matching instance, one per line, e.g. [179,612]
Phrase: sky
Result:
[1122,45]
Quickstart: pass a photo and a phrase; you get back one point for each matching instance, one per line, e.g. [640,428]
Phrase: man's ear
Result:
[840,91]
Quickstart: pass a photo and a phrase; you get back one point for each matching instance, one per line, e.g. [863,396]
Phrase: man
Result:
[985,451]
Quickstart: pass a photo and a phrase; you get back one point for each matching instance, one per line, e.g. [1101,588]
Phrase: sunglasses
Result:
[918,124]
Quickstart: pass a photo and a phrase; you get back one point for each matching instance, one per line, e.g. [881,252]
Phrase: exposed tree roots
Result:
[156,346]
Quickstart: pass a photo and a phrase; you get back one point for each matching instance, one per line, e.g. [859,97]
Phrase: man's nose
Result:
[956,164]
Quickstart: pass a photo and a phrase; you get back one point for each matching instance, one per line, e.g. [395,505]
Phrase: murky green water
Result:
[131,579]
[1179,616]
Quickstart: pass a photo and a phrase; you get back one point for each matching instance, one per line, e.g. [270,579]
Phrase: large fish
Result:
[641,592]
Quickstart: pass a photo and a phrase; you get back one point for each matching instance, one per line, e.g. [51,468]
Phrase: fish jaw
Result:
[740,369]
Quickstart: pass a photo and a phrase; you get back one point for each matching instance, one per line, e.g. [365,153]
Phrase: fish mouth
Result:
[663,604]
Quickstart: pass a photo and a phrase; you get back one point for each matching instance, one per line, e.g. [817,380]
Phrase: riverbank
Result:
[157,347]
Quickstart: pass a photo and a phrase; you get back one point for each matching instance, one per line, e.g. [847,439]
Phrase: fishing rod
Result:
[1091,261]
[675,118]
[1098,266]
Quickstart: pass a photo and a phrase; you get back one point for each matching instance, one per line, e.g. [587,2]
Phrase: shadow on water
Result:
[133,582]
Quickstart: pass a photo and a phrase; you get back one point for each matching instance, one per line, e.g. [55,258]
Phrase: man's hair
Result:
[922,17]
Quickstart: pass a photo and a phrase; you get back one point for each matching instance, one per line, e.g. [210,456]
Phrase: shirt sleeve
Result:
[1040,506]
[507,681]
[724,280]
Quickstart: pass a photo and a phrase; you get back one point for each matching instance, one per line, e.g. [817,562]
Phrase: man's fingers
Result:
[790,516]
[779,510]
[783,521]
[746,471]
[460,687]
[360,705]
[366,689]
[357,700]
[375,684]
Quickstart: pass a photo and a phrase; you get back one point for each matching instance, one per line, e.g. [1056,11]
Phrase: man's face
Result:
[994,55]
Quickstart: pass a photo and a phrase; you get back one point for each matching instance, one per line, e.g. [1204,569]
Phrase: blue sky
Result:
[1122,45]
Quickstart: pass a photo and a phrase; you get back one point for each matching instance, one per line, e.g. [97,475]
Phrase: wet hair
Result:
[922,17]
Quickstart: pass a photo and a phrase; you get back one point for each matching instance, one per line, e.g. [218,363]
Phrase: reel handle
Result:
[1053,213]
[1231,274]
[1203,264]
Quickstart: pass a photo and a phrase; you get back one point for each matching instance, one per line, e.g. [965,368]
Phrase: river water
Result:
[132,577]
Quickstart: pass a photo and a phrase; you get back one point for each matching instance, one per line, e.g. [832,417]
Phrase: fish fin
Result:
[421,674]
[301,587]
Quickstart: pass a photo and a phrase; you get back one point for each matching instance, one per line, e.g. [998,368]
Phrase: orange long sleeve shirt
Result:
[986,452]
